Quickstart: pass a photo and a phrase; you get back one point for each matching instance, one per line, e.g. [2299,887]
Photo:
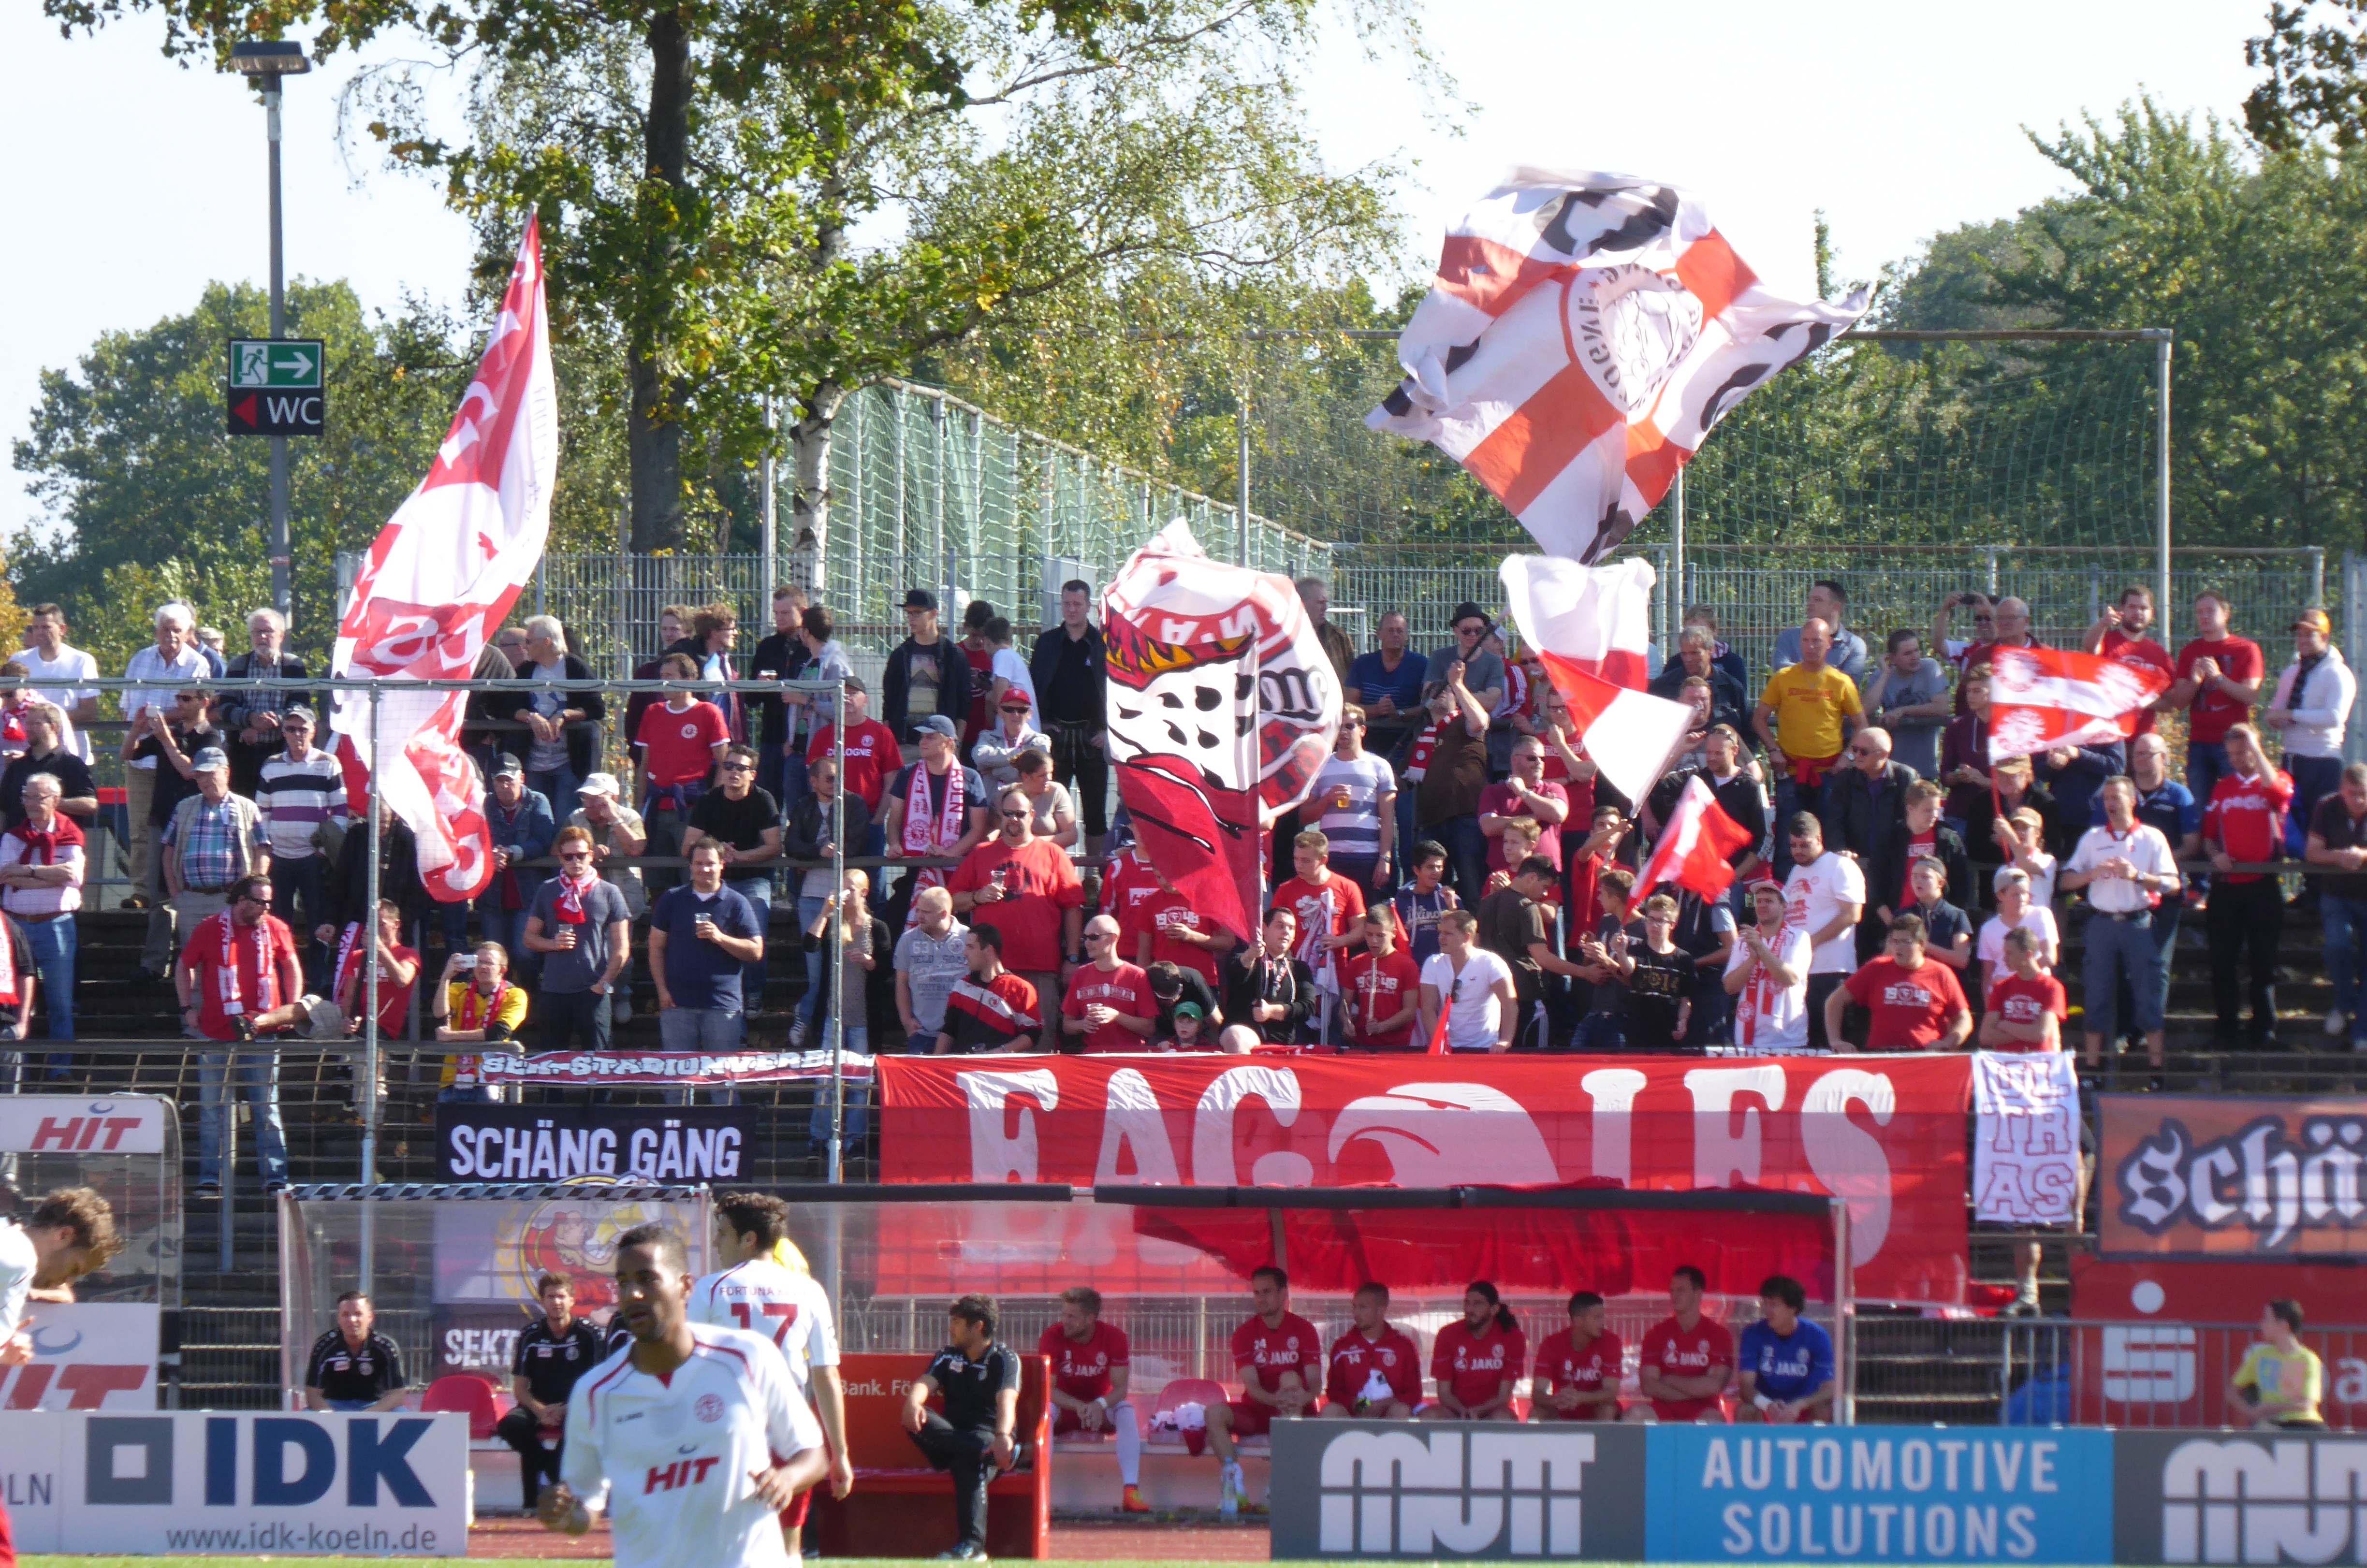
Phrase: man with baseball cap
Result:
[936,806]
[2310,709]
[927,673]
[214,839]
[996,752]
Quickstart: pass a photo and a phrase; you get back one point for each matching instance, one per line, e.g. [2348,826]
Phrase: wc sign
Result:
[1456,1489]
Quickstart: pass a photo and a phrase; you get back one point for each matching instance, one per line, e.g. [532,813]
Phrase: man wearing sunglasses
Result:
[239,980]
[935,807]
[580,926]
[1483,673]
[1027,887]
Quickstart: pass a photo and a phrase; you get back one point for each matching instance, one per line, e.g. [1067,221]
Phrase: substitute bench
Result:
[884,1517]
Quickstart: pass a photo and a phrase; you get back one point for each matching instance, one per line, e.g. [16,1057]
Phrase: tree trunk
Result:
[809,497]
[655,440]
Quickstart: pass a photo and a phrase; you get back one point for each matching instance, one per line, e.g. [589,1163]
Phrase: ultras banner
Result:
[1885,1133]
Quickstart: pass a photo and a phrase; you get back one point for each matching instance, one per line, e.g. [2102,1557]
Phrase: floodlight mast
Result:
[266,61]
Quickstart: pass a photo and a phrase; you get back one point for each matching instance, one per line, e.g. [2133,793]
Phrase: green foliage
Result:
[2315,56]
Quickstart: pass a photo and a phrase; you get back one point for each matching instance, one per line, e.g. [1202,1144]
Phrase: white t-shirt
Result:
[2042,881]
[1475,1016]
[1771,1018]
[1813,896]
[17,1262]
[779,1303]
[678,1454]
[52,683]
[1989,948]
[2145,849]
[1357,830]
[1010,667]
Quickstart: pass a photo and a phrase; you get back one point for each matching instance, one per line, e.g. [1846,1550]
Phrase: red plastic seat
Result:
[472,1397]
[1189,1391]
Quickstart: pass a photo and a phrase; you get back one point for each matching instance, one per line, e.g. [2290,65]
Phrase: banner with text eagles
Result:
[1885,1133]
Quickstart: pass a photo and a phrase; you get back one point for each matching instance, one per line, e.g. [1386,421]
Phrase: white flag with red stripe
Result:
[1697,848]
[1582,335]
[438,581]
[1587,625]
[2043,697]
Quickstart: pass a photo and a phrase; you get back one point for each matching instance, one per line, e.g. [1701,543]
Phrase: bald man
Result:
[1109,1001]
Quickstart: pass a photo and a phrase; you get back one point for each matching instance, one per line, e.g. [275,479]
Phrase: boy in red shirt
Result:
[1686,1363]
[1091,1373]
[682,738]
[1915,1001]
[1380,987]
[1376,1371]
[2244,823]
[1109,1000]
[873,755]
[1477,1359]
[1275,1352]
[1576,1376]
[2027,1007]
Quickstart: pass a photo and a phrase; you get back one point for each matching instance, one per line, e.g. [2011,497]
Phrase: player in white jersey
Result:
[68,1234]
[764,1295]
[697,1431]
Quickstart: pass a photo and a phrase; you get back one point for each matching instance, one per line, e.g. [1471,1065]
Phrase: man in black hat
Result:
[1483,673]
[927,673]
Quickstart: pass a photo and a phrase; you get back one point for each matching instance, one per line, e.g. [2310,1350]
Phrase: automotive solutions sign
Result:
[191,1484]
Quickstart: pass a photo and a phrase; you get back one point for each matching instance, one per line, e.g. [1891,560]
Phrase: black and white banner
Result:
[667,1067]
[559,1143]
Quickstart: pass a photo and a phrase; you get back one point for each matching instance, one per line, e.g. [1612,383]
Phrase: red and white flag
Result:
[2043,697]
[439,580]
[1697,848]
[1221,702]
[1582,335]
[1587,625]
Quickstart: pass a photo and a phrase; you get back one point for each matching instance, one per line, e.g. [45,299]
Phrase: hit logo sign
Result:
[1465,1489]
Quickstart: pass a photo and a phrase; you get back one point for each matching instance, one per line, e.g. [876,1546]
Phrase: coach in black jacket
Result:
[1072,702]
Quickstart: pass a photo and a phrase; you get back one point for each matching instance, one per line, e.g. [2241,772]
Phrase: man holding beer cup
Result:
[701,937]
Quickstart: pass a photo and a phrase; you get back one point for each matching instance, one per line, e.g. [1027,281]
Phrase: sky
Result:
[1898,120]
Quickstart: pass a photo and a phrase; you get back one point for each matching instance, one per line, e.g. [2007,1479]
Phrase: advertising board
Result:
[2239,1497]
[2251,1177]
[87,1356]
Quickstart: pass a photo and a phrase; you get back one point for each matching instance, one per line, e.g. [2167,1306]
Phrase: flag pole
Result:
[368,1090]
[835,1036]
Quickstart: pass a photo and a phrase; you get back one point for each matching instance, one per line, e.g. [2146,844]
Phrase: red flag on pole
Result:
[2043,697]
[1438,1030]
[1696,847]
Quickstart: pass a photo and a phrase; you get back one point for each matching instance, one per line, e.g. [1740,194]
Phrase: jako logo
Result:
[289,1461]
[1393,1494]
[2240,1501]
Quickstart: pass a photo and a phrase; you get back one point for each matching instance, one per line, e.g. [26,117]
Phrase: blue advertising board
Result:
[1877,1495]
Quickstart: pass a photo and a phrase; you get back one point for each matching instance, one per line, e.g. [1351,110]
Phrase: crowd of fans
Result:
[1460,870]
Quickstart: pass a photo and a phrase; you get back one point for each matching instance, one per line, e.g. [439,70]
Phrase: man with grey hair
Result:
[562,737]
[251,715]
[2009,627]
[214,839]
[41,870]
[1317,598]
[172,662]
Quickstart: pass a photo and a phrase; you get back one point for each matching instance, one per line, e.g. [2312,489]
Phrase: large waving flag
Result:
[1582,335]
[1697,848]
[1587,626]
[439,580]
[1222,701]
[2043,697]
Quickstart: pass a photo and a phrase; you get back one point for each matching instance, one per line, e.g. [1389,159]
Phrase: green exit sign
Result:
[276,364]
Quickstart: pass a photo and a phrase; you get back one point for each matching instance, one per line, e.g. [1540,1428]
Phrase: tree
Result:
[2315,56]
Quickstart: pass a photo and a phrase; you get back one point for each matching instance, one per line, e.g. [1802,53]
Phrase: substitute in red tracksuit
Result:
[1478,1360]
[1375,1372]
[2244,823]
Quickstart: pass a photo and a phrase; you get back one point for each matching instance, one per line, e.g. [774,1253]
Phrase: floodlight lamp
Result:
[268,57]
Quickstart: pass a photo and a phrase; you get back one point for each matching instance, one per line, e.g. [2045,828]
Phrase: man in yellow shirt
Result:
[1805,717]
[2281,1378]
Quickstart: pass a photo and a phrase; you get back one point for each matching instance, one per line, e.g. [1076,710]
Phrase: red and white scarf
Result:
[925,835]
[267,973]
[571,892]
[13,739]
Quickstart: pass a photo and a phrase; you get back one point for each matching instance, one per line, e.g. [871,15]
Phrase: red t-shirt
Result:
[1681,1352]
[1355,1359]
[981,694]
[1039,880]
[2018,1000]
[1918,846]
[1127,886]
[1261,1355]
[393,1001]
[872,759]
[1474,1365]
[1380,988]
[1081,1370]
[1127,989]
[2247,819]
[2214,711]
[1158,915]
[679,748]
[1910,1007]
[1498,800]
[2140,653]
[1306,901]
[1561,1364]
[265,943]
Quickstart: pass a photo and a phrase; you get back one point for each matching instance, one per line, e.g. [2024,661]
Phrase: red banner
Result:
[1886,1132]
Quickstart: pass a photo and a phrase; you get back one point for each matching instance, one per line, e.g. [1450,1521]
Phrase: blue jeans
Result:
[1791,798]
[717,1030]
[2206,764]
[858,1099]
[2346,955]
[810,1004]
[2314,779]
[504,926]
[53,945]
[1599,1032]
[758,891]
[475,1094]
[557,786]
[2114,948]
[259,1083]
[303,879]
[874,842]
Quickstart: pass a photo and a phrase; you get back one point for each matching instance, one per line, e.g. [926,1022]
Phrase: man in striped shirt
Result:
[301,788]
[991,1009]
[41,869]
